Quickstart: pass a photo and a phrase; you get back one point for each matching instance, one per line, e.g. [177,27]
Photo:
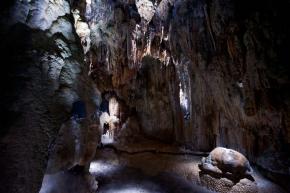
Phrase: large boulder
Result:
[226,170]
[226,161]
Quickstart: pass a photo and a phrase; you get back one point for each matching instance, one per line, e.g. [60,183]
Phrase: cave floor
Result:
[144,172]
[155,172]
[119,171]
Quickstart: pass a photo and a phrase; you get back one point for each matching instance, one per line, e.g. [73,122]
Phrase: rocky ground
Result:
[139,171]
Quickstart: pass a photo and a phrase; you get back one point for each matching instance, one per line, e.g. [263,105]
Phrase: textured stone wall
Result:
[43,73]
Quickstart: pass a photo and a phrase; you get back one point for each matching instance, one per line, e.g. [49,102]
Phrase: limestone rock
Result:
[75,145]
[45,65]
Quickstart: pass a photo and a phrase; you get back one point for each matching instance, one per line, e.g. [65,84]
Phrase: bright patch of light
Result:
[104,118]
[240,84]
[47,184]
[97,167]
[107,139]
[83,31]
[131,190]
[183,99]
[146,9]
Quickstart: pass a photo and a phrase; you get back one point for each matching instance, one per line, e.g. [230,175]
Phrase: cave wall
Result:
[228,58]
[43,73]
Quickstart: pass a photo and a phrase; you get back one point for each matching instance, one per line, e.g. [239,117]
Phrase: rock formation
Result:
[226,170]
[222,160]
[43,74]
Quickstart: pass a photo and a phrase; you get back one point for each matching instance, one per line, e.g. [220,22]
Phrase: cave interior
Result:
[145,96]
